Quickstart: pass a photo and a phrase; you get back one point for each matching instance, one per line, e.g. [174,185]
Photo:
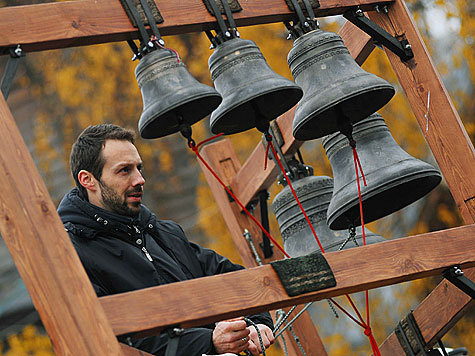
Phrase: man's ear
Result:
[87,180]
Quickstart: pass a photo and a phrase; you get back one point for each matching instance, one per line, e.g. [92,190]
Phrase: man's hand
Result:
[232,336]
[266,335]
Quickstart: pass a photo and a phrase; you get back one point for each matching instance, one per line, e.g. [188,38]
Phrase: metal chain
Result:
[248,237]
[297,340]
[251,323]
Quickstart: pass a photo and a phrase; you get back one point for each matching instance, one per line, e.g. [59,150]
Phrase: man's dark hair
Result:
[86,151]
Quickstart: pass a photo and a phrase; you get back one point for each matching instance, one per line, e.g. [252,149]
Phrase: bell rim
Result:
[299,130]
[430,174]
[144,126]
[294,92]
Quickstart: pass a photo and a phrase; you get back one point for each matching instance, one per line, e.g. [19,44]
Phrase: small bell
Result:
[314,194]
[253,94]
[394,178]
[171,96]
[337,91]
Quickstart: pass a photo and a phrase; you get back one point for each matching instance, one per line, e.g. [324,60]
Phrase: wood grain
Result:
[436,315]
[131,351]
[78,23]
[443,129]
[44,255]
[223,159]
[258,289]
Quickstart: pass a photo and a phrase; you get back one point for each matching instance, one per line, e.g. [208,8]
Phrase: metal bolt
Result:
[228,34]
[385,9]
[359,12]
[150,226]
[238,34]
[458,271]
[376,8]
[162,42]
[18,51]
[139,241]
[289,36]
[150,44]
[408,46]
[134,58]
[211,46]
[306,24]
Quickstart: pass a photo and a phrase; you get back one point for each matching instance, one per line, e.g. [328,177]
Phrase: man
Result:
[124,247]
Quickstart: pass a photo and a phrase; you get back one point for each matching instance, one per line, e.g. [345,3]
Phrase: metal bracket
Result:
[10,70]
[411,339]
[265,245]
[455,276]
[402,48]
[174,334]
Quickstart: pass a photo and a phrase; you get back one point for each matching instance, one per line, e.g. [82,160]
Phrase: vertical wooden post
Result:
[222,157]
[44,254]
[452,148]
[434,111]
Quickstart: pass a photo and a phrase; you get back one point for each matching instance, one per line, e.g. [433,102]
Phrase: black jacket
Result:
[122,254]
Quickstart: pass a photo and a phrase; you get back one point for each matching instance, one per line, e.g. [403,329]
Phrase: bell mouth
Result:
[233,116]
[311,124]
[191,110]
[379,203]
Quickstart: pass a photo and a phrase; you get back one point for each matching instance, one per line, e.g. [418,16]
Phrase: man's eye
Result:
[125,169]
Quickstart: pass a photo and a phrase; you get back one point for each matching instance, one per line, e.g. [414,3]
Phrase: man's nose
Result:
[138,178]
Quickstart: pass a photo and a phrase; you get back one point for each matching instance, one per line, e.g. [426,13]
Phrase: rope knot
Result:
[367,331]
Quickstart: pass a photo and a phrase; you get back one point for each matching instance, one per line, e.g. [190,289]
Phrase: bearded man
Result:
[124,247]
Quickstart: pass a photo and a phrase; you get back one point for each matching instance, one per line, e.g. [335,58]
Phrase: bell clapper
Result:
[185,130]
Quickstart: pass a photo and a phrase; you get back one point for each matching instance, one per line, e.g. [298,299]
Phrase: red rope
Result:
[195,150]
[295,195]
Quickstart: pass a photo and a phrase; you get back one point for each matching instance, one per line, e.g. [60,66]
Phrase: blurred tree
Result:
[77,87]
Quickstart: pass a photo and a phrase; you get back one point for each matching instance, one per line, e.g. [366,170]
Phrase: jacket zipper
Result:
[147,254]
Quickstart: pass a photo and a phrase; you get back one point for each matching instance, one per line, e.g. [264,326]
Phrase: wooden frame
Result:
[81,324]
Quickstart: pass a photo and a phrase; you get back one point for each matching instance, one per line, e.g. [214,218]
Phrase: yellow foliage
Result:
[28,343]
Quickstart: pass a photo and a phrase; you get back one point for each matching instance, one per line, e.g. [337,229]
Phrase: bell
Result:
[394,178]
[314,194]
[337,91]
[171,96]
[253,94]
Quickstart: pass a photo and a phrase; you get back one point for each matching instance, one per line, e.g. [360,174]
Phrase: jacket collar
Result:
[93,219]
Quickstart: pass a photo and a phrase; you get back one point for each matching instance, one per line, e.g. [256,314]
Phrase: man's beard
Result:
[113,202]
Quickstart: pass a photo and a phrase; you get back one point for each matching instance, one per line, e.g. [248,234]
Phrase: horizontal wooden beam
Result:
[78,23]
[252,178]
[210,299]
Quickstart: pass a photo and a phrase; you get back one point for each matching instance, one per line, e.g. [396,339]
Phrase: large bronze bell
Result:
[337,91]
[171,96]
[253,94]
[314,194]
[394,178]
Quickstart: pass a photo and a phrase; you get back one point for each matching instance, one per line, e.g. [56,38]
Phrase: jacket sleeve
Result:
[213,263]
[193,342]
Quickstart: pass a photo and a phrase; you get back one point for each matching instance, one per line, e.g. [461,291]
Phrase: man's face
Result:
[121,185]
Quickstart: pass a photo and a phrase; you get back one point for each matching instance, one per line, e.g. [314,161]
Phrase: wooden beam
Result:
[222,157]
[78,23]
[440,124]
[131,351]
[258,289]
[252,178]
[44,255]
[436,315]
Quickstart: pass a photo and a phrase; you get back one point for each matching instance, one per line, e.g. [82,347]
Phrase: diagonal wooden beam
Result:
[44,255]
[78,23]
[436,315]
[433,108]
[209,299]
